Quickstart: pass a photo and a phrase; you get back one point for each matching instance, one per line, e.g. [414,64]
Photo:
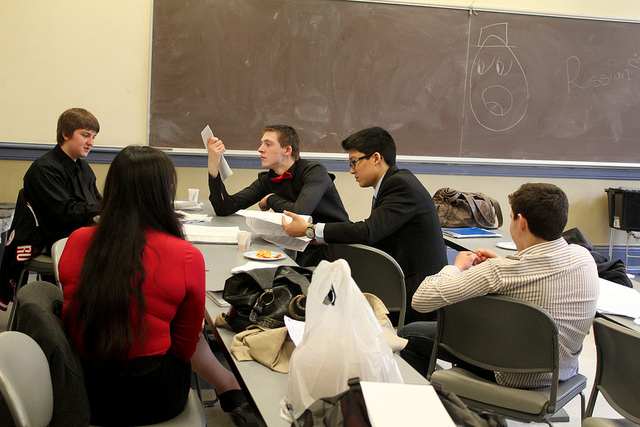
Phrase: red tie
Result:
[285,175]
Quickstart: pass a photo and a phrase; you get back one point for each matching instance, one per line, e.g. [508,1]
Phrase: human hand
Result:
[262,204]
[465,260]
[484,254]
[215,148]
[294,227]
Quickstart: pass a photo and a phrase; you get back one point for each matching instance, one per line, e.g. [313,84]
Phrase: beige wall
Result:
[95,54]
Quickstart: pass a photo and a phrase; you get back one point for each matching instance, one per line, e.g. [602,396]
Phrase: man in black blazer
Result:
[403,222]
[291,183]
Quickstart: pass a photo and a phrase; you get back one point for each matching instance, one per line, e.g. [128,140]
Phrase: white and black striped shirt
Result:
[560,278]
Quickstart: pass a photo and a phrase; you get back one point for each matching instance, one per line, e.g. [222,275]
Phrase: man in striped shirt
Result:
[560,278]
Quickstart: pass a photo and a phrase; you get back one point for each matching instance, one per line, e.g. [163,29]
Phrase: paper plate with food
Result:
[264,255]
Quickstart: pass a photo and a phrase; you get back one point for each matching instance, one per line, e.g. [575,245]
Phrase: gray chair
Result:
[617,374]
[500,333]
[56,252]
[41,264]
[24,380]
[375,272]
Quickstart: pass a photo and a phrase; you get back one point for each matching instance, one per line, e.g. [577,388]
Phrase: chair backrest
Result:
[376,272]
[618,370]
[500,333]
[56,253]
[24,380]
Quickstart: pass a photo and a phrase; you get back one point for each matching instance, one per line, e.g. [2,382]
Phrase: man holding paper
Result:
[403,222]
[291,183]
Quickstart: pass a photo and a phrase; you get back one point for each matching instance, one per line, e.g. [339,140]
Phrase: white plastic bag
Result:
[342,339]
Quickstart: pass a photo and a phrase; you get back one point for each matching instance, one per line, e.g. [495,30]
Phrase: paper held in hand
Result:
[223,168]
[269,226]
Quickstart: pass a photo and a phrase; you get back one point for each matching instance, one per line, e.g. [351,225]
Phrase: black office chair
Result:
[617,374]
[501,333]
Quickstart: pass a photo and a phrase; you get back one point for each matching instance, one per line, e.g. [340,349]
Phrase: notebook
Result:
[462,233]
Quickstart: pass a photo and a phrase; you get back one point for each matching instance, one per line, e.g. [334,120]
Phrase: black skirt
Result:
[140,391]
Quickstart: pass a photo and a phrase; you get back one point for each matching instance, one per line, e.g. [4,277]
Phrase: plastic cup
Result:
[193,194]
[244,240]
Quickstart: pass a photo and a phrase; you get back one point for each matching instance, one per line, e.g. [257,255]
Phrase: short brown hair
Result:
[73,119]
[545,207]
[287,137]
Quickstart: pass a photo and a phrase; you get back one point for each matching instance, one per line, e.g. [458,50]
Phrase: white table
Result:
[263,386]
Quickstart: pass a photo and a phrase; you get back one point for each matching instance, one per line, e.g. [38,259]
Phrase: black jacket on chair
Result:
[37,315]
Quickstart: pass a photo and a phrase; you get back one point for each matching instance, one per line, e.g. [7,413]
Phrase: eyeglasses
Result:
[352,163]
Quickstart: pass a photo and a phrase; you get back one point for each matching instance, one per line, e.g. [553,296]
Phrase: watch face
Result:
[310,232]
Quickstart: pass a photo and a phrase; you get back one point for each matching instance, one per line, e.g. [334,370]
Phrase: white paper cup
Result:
[244,240]
[193,194]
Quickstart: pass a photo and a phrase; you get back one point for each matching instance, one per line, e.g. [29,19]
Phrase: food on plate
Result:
[267,254]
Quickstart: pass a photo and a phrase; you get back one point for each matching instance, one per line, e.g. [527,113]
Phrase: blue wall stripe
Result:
[104,155]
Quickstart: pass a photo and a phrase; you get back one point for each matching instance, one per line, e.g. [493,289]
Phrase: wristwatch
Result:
[310,232]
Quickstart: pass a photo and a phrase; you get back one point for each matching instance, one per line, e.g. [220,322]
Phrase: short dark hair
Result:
[545,207]
[372,140]
[73,119]
[287,137]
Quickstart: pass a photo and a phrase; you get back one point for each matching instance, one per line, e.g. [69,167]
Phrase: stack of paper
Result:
[204,234]
[618,299]
[269,226]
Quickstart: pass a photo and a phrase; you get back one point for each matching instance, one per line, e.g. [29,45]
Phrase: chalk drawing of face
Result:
[498,88]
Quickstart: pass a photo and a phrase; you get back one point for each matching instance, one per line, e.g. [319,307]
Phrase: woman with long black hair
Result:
[134,293]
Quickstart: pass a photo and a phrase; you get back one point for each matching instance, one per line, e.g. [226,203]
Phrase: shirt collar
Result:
[544,247]
[375,192]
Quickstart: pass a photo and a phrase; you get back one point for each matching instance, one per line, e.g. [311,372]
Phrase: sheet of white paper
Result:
[618,299]
[251,265]
[187,205]
[216,296]
[295,328]
[269,226]
[268,216]
[204,234]
[223,168]
[390,405]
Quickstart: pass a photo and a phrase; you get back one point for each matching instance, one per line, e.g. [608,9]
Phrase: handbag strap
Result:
[478,215]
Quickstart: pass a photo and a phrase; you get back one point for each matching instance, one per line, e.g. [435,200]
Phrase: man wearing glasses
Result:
[403,221]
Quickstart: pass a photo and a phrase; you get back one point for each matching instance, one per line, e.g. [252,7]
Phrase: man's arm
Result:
[48,191]
[316,181]
[458,282]
[396,206]
[215,149]
[225,204]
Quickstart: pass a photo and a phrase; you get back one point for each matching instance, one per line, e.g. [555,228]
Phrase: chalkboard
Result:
[444,82]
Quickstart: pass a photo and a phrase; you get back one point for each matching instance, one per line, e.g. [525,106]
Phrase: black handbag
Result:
[457,209]
[264,296]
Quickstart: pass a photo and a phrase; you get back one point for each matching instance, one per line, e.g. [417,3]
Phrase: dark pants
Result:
[145,390]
